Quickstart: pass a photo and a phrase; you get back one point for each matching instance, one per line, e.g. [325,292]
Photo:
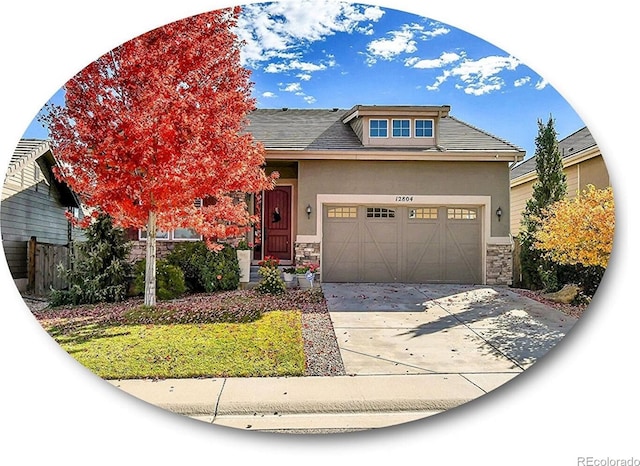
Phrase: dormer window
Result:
[424,128]
[401,128]
[378,128]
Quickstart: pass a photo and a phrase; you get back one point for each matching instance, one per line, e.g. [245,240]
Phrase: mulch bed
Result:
[572,310]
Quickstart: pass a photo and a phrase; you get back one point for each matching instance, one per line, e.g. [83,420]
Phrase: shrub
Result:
[170,282]
[204,269]
[100,270]
[271,282]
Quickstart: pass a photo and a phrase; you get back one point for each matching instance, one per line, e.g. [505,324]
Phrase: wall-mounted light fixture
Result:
[308,210]
[499,213]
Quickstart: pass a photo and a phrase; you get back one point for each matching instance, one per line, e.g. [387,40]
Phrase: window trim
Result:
[386,128]
[393,129]
[167,236]
[415,127]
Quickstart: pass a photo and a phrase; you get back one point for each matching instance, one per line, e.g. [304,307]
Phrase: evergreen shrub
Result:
[206,270]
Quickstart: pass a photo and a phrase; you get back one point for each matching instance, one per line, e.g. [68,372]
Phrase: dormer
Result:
[396,125]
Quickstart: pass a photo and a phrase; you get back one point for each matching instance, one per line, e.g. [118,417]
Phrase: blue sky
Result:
[346,54]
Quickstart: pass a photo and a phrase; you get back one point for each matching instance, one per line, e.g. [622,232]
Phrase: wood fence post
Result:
[31,264]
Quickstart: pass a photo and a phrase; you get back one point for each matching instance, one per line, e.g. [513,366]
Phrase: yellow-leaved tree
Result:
[579,231]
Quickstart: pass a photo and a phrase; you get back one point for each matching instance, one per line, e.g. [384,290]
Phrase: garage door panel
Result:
[380,249]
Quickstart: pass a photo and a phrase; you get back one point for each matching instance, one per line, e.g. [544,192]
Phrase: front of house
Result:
[384,194]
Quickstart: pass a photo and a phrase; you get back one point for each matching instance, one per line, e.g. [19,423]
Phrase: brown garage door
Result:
[411,244]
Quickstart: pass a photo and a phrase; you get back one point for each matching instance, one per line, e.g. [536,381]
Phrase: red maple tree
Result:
[158,123]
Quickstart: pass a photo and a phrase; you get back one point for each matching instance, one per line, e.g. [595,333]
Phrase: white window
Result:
[401,128]
[423,128]
[378,128]
[179,234]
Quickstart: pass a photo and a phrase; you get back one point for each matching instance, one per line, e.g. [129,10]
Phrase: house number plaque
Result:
[404,198]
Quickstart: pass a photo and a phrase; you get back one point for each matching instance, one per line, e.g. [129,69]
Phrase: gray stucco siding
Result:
[404,178]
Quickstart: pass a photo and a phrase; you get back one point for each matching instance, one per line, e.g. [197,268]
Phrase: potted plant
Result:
[306,274]
[243,251]
[289,273]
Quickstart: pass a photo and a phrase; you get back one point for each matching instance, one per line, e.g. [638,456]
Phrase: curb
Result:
[304,395]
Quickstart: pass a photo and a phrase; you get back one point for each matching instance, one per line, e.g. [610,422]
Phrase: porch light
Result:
[499,213]
[308,210]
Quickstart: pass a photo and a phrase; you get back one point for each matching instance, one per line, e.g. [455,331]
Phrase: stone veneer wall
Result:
[139,249]
[499,264]
[307,252]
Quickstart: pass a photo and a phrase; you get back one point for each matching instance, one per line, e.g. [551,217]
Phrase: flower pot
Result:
[244,261]
[288,277]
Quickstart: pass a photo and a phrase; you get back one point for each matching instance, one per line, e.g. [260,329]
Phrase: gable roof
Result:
[324,130]
[575,143]
[39,151]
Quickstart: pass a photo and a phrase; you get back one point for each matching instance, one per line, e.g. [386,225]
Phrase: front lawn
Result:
[232,334]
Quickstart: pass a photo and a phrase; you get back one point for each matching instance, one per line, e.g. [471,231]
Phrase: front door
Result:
[277,223]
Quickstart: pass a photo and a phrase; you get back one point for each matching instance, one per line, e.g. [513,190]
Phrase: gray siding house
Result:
[34,204]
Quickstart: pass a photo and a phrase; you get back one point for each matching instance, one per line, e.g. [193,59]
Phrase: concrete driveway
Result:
[487,335]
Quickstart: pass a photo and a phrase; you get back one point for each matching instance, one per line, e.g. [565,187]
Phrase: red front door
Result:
[277,223]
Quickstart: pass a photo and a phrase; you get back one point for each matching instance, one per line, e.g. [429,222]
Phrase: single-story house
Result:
[383,194]
[33,205]
[582,164]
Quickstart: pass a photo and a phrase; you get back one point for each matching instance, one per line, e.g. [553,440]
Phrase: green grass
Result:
[272,345]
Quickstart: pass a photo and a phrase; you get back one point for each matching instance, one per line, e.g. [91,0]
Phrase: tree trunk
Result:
[150,271]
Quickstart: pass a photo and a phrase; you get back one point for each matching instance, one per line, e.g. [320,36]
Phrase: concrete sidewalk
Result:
[410,351]
[291,403]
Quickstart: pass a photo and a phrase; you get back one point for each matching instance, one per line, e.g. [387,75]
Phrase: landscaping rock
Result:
[566,295]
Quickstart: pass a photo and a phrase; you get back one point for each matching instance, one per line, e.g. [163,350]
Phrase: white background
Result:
[581,400]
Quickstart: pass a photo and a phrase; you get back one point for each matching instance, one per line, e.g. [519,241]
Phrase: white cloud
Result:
[274,28]
[522,81]
[294,65]
[445,59]
[479,76]
[541,84]
[303,76]
[388,48]
[269,95]
[402,41]
[292,87]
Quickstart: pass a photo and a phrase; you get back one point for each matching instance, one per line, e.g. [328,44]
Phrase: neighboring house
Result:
[582,164]
[384,194]
[34,204]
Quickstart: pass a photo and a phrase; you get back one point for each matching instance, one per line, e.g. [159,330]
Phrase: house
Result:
[33,205]
[582,164]
[384,194]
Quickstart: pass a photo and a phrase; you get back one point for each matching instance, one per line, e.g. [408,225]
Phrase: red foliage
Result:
[157,123]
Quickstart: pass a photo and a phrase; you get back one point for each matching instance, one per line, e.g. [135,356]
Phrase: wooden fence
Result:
[43,262]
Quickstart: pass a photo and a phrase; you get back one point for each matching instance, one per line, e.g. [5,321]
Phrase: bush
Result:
[100,270]
[204,269]
[271,282]
[170,282]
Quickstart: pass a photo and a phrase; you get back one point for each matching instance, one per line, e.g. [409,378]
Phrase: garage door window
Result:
[342,212]
[380,212]
[427,213]
[462,214]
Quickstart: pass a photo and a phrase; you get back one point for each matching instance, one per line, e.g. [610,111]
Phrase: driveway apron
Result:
[485,334]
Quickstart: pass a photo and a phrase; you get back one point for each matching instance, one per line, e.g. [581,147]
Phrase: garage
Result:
[402,243]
